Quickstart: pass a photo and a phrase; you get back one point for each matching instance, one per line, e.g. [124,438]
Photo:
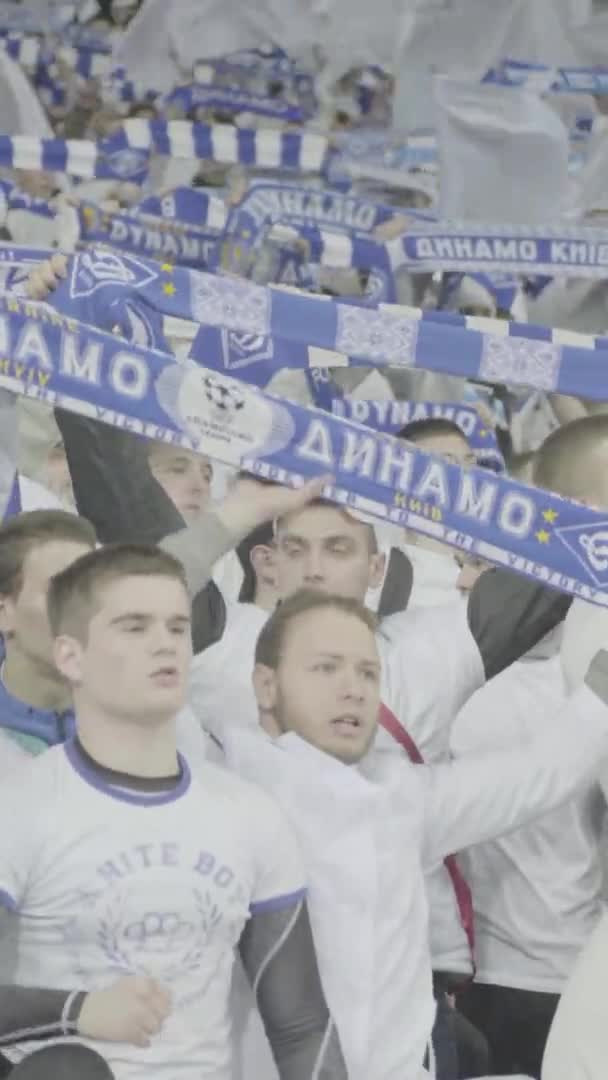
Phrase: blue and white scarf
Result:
[74,157]
[148,236]
[260,70]
[56,360]
[100,281]
[392,416]
[267,148]
[554,80]
[13,198]
[126,155]
[576,251]
[265,205]
[23,255]
[232,101]
[10,496]
[189,206]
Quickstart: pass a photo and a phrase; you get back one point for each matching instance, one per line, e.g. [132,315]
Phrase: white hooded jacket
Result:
[367,837]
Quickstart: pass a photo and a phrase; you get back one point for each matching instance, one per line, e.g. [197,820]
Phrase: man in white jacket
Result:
[537,892]
[369,824]
[578,1041]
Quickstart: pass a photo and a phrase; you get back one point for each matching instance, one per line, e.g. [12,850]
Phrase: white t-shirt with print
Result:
[112,884]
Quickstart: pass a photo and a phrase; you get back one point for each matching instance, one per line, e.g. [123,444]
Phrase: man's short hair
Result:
[263,536]
[73,596]
[372,538]
[270,642]
[564,461]
[427,429]
[21,534]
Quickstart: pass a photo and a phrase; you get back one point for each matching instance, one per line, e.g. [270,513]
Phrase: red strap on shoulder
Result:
[464,899]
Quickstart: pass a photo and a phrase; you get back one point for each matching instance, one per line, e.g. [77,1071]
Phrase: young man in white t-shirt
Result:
[369,830]
[136,867]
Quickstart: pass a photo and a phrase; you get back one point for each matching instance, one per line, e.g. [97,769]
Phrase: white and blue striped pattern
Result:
[116,87]
[487,350]
[25,49]
[76,157]
[264,148]
[28,51]
[88,63]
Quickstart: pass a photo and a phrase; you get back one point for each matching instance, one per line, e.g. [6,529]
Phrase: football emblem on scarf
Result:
[224,417]
[225,398]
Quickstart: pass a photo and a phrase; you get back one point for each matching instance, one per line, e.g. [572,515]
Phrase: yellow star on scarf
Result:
[89,213]
[168,288]
[168,268]
[483,432]
[550,515]
[543,536]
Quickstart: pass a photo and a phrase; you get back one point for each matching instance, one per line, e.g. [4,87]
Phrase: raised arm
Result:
[435,659]
[488,795]
[115,489]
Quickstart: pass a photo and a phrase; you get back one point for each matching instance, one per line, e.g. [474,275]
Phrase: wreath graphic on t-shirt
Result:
[129,946]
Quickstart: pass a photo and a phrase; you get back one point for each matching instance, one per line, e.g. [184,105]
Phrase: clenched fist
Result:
[132,1010]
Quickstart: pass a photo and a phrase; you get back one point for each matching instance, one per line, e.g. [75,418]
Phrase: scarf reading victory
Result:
[100,282]
[66,364]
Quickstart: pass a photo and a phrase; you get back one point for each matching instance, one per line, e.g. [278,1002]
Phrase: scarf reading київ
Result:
[443,245]
[57,360]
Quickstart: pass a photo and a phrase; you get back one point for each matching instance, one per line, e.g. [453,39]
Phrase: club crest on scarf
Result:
[242,350]
[589,544]
[97,268]
[125,164]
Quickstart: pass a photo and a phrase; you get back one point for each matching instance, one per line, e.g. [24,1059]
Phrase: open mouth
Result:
[347,724]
